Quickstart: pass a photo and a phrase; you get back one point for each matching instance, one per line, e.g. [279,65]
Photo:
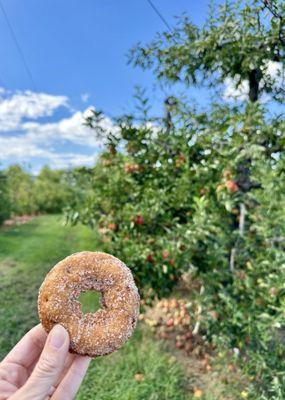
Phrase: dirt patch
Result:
[210,375]
[18,220]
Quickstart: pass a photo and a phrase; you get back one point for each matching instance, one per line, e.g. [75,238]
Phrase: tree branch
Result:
[232,259]
[242,219]
[274,11]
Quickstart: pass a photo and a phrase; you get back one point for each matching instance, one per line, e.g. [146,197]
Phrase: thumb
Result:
[50,365]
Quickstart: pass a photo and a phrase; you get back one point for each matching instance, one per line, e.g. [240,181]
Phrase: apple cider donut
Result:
[92,334]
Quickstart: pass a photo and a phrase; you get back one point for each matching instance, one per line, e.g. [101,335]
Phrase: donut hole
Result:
[90,301]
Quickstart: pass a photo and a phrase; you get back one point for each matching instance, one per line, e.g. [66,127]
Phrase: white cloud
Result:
[239,91]
[234,91]
[85,97]
[70,129]
[24,139]
[23,149]
[276,72]
[27,105]
[20,148]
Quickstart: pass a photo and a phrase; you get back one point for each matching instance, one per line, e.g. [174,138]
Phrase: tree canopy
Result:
[240,40]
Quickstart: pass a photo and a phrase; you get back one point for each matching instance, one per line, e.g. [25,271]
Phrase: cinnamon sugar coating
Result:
[92,334]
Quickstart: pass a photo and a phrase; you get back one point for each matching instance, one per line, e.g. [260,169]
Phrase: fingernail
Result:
[57,336]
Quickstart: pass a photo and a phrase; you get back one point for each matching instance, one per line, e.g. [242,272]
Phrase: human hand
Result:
[40,367]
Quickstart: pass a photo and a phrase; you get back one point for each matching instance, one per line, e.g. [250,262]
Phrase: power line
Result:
[160,15]
[17,44]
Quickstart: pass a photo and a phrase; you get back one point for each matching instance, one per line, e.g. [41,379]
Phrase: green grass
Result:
[112,377]
[27,253]
[90,301]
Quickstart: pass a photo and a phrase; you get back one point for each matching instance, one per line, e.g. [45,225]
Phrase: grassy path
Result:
[27,252]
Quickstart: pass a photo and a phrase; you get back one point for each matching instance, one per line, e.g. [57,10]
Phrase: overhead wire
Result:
[160,15]
[18,46]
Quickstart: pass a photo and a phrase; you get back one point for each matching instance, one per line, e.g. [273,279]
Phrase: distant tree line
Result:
[23,193]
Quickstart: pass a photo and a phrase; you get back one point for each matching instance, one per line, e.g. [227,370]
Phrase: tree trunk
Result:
[254,77]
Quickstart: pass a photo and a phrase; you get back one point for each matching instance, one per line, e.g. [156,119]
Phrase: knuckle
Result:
[47,365]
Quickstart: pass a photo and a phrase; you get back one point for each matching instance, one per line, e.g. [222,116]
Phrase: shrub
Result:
[21,190]
[51,190]
[47,192]
[5,206]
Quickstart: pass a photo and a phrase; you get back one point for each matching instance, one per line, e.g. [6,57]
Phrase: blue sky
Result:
[76,51]
[75,47]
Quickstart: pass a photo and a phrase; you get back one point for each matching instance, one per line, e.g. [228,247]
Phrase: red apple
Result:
[113,226]
[231,186]
[149,258]
[170,322]
[139,220]
[165,254]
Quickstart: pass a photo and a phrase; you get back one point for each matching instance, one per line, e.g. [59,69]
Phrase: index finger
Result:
[28,349]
